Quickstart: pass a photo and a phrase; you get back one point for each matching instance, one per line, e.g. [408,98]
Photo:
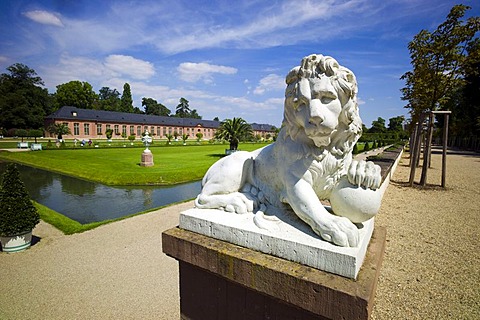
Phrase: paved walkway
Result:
[431,268]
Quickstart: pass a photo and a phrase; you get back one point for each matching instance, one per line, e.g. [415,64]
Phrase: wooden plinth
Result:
[219,280]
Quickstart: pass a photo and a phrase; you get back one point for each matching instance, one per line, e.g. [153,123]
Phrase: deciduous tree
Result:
[76,94]
[154,108]
[23,102]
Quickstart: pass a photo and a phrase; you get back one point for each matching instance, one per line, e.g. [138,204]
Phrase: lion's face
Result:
[320,104]
[319,109]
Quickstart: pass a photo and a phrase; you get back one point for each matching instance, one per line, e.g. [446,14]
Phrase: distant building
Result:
[92,124]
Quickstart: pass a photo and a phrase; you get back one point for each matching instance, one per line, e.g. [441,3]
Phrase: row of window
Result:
[116,130]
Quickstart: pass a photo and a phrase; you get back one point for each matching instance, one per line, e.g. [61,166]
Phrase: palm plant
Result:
[59,129]
[234,130]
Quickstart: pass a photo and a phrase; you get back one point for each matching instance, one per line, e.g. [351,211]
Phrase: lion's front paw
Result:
[338,230]
[365,174]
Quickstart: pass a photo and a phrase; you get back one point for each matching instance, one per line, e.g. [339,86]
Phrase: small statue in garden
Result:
[310,161]
[147,140]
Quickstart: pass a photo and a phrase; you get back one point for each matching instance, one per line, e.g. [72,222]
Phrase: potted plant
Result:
[18,215]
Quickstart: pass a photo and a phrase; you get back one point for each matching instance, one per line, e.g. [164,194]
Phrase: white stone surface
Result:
[310,161]
[288,238]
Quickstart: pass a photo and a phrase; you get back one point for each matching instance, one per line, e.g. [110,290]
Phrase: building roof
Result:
[74,113]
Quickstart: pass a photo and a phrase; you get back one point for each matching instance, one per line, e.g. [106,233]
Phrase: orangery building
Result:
[92,124]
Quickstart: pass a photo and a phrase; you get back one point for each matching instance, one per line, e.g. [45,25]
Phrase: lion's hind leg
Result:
[223,183]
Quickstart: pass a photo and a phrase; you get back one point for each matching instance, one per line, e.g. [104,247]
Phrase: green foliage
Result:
[59,129]
[374,145]
[355,149]
[22,133]
[184,138]
[131,138]
[108,99]
[76,94]
[366,147]
[154,108]
[109,133]
[438,60]
[183,109]
[378,126]
[17,212]
[126,103]
[199,136]
[234,130]
[23,102]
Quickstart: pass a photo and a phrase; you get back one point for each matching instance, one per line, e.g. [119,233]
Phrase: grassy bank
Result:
[69,226]
[120,166]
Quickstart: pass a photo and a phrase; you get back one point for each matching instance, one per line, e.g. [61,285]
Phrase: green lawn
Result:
[120,166]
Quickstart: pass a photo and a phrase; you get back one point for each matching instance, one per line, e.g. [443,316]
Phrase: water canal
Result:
[86,201]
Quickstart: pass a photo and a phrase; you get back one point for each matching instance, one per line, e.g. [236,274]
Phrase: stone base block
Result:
[220,280]
[288,238]
[147,159]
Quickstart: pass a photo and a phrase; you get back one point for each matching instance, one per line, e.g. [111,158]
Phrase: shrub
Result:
[17,212]
[355,149]
[366,147]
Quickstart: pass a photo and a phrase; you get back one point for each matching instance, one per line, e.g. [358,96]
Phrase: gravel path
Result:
[431,268]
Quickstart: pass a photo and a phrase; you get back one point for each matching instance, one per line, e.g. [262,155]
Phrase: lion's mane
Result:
[349,128]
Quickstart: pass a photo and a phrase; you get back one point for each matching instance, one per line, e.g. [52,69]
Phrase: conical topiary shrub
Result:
[17,212]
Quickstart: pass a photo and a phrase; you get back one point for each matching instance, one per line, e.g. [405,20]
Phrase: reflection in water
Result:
[86,201]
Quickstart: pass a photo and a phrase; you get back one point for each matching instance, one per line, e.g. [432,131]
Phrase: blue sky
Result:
[227,58]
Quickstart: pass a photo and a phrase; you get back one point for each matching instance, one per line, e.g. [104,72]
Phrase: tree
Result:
[23,103]
[437,59]
[378,126]
[194,114]
[154,108]
[199,136]
[59,129]
[396,124]
[183,110]
[126,104]
[108,99]
[35,133]
[76,94]
[234,130]
[22,133]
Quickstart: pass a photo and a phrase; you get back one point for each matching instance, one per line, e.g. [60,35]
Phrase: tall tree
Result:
[154,108]
[437,59]
[378,126]
[234,130]
[183,109]
[23,102]
[396,124]
[126,104]
[108,99]
[76,94]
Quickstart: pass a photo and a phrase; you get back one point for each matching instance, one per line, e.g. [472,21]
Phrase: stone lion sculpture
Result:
[310,161]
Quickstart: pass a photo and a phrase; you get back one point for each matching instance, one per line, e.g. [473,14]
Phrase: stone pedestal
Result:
[147,159]
[220,280]
[288,238]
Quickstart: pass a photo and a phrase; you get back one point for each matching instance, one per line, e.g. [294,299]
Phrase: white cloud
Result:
[270,82]
[128,65]
[193,72]
[44,17]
